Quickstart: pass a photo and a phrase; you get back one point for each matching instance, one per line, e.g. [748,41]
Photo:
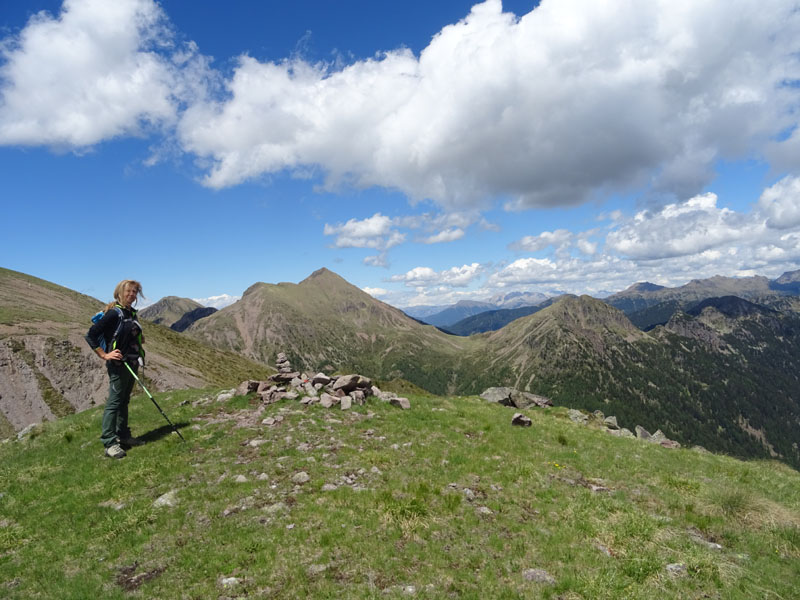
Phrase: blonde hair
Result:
[120,289]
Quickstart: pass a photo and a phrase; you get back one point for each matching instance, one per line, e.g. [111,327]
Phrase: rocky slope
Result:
[176,313]
[325,323]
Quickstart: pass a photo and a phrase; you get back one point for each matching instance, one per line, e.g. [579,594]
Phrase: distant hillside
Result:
[176,313]
[457,312]
[648,304]
[47,369]
[324,322]
[729,383]
[492,320]
[512,300]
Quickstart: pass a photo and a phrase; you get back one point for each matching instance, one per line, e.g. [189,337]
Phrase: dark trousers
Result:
[115,416]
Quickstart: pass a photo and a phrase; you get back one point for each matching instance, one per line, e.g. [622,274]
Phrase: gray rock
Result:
[309,389]
[169,499]
[26,431]
[400,402]
[320,378]
[499,395]
[677,569]
[625,432]
[346,383]
[228,582]
[521,420]
[611,422]
[658,437]
[301,477]
[246,387]
[358,397]
[642,433]
[326,400]
[538,576]
[347,402]
[577,416]
[514,398]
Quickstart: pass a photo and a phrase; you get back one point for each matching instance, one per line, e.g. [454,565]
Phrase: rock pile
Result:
[610,423]
[514,398]
[328,391]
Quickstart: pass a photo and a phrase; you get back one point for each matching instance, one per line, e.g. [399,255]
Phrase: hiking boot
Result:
[115,451]
[130,442]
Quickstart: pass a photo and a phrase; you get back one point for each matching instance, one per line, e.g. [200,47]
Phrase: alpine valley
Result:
[713,363]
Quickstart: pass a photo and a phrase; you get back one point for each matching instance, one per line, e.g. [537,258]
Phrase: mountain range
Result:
[722,375]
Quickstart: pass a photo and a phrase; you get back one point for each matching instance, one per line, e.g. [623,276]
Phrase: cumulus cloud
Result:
[680,229]
[545,109]
[382,233]
[448,235]
[781,203]
[94,72]
[375,292]
[550,108]
[425,277]
[669,246]
[374,232]
[533,243]
[218,302]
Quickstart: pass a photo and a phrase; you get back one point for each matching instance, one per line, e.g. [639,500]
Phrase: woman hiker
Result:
[116,337]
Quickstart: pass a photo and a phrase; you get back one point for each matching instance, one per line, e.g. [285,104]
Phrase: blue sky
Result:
[426,152]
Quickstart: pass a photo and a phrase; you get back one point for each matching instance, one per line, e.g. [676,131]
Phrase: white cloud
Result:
[547,109]
[92,73]
[571,100]
[218,302]
[375,292]
[681,241]
[448,235]
[374,232]
[680,229]
[425,277]
[780,203]
[382,233]
[534,243]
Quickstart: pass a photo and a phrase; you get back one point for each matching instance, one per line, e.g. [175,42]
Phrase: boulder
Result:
[499,395]
[347,402]
[577,416]
[521,420]
[358,397]
[514,398]
[246,387]
[642,433]
[326,400]
[320,378]
[346,383]
[611,422]
[400,402]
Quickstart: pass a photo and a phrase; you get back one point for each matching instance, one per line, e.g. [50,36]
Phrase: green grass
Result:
[448,498]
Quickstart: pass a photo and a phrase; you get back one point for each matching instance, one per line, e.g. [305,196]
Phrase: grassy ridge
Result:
[447,498]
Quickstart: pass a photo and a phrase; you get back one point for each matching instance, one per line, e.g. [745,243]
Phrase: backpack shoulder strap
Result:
[121,316]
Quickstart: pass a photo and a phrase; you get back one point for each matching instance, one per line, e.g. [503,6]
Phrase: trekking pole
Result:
[175,429]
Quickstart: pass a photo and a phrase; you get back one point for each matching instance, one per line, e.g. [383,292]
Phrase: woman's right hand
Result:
[113,355]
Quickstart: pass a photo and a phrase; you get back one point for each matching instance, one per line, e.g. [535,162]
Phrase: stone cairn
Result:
[327,391]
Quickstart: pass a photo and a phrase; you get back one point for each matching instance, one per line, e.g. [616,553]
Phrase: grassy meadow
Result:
[446,500]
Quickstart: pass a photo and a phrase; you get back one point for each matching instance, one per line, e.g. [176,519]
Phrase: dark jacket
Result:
[128,338]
